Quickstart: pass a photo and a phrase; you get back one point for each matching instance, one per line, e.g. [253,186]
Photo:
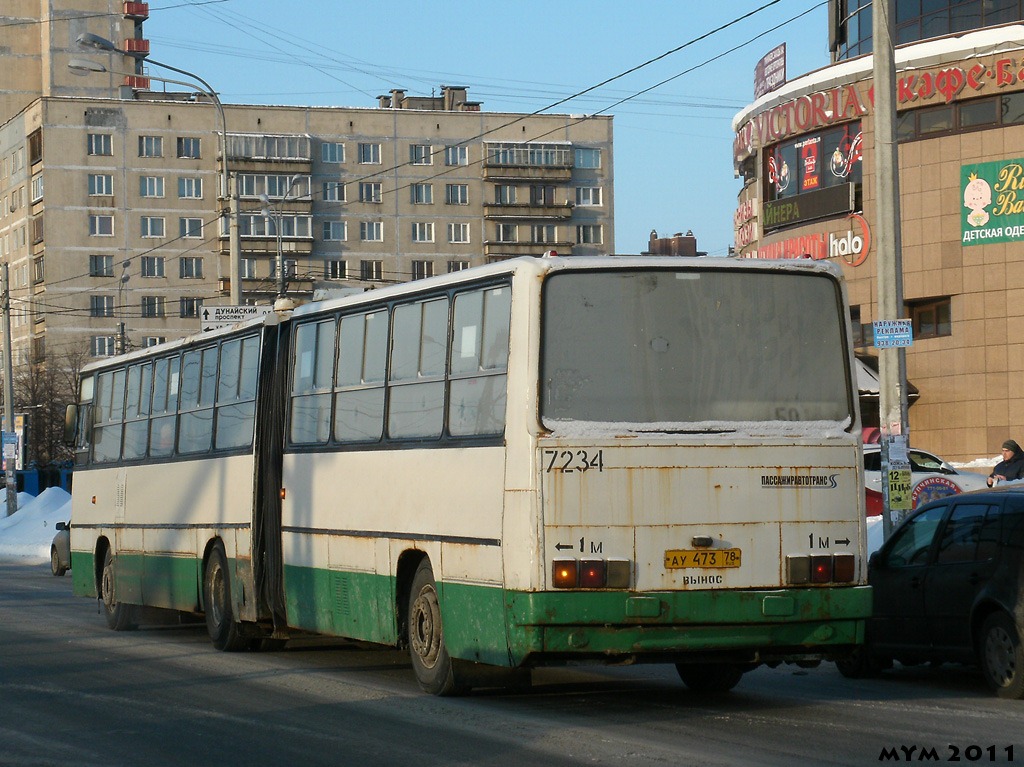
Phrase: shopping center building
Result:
[805,153]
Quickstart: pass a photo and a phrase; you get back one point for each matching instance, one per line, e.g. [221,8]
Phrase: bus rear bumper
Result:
[752,626]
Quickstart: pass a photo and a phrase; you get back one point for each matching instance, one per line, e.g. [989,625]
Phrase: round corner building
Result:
[805,154]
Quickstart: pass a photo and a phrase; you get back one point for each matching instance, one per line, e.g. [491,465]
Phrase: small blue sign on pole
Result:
[892,333]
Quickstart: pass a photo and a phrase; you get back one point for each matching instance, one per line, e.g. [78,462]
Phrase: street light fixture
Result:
[87,40]
[277,215]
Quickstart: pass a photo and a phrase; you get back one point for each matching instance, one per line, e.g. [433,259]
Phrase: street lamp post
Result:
[122,340]
[90,41]
[276,215]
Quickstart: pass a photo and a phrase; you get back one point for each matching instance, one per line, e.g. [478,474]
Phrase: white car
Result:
[930,477]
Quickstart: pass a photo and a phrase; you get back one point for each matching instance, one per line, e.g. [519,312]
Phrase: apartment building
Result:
[115,224]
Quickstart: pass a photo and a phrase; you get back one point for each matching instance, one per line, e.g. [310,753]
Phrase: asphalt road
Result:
[74,693]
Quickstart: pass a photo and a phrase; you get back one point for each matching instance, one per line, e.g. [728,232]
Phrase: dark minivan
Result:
[949,586]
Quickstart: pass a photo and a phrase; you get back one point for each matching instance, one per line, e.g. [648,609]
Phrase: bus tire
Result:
[119,616]
[431,663]
[711,677]
[1001,656]
[220,621]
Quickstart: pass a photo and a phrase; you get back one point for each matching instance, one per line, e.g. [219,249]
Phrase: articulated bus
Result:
[535,462]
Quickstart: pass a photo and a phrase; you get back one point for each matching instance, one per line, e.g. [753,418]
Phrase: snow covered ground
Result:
[25,536]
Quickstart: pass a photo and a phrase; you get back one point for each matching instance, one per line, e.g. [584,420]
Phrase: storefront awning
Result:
[867,379]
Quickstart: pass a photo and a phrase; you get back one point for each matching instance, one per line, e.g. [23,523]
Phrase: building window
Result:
[458,233]
[101,266]
[369,191]
[542,194]
[457,266]
[148,341]
[101,226]
[190,187]
[151,146]
[152,226]
[422,231]
[35,147]
[371,231]
[369,154]
[101,184]
[100,144]
[588,196]
[190,267]
[189,148]
[38,270]
[151,186]
[587,158]
[456,155]
[37,229]
[371,270]
[589,234]
[189,307]
[190,227]
[291,268]
[37,188]
[544,234]
[931,318]
[507,233]
[422,269]
[335,231]
[456,194]
[505,194]
[248,269]
[101,346]
[332,152]
[152,266]
[334,191]
[153,306]
[335,270]
[421,154]
[101,306]
[422,194]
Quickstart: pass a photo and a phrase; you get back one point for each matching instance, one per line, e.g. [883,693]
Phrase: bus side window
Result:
[311,383]
[197,388]
[359,391]
[236,393]
[479,360]
[109,416]
[416,387]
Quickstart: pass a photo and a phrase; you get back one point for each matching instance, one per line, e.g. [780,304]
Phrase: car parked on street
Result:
[948,585]
[931,478]
[60,549]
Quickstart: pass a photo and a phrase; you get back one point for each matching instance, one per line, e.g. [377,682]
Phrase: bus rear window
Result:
[693,347]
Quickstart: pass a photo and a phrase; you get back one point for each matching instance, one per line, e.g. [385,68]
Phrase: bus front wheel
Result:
[220,621]
[430,660]
[119,615]
[714,677]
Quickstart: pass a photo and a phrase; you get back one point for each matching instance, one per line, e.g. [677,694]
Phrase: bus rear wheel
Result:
[431,663]
[712,677]
[119,616]
[220,621]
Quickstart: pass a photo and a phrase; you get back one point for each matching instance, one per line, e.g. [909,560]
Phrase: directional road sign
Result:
[212,317]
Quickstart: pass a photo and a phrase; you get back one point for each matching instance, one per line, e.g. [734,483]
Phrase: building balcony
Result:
[494,249]
[137,82]
[526,212]
[136,10]
[137,45]
[551,173]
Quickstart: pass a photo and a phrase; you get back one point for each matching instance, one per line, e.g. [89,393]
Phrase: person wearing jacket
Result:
[1012,465]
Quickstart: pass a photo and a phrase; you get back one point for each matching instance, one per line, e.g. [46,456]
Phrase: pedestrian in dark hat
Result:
[1012,465]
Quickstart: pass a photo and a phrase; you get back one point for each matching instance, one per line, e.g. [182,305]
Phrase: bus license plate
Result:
[677,559]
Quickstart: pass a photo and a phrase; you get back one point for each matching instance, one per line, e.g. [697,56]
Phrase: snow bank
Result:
[25,536]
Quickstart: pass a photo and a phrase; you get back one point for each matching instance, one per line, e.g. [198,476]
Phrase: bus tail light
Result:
[843,568]
[564,573]
[591,573]
[821,568]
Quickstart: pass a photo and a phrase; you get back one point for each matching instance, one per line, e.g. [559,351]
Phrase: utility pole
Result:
[5,298]
[892,360]
[234,238]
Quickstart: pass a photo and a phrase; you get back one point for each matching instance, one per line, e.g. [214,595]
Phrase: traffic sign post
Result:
[213,317]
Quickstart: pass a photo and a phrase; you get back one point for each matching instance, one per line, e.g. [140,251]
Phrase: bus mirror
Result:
[70,425]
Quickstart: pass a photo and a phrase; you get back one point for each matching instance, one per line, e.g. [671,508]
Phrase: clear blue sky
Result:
[673,144]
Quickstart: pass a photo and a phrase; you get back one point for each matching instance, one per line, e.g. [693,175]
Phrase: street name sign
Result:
[212,317]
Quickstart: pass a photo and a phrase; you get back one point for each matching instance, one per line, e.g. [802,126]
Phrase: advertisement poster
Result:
[993,202]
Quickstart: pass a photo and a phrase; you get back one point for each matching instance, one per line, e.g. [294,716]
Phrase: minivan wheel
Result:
[1001,656]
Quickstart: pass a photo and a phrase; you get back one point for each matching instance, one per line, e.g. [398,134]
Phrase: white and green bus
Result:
[539,461]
